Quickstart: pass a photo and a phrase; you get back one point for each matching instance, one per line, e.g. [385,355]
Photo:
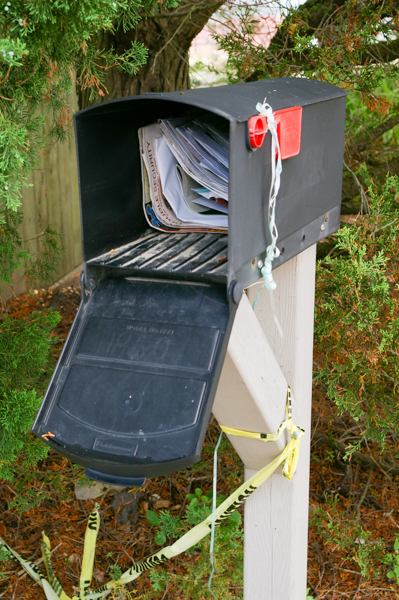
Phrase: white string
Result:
[215,481]
[272,251]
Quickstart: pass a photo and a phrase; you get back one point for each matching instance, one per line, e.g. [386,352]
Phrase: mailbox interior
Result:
[112,201]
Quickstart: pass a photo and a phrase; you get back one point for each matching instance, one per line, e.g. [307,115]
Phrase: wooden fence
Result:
[54,200]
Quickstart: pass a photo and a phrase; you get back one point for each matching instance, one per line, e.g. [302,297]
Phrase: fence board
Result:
[53,200]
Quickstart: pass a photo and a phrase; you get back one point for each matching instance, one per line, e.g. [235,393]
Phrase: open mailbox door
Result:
[132,392]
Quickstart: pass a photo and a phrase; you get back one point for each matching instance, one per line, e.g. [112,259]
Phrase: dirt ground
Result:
[347,500]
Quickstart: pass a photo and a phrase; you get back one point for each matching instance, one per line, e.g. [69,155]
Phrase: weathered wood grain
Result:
[53,200]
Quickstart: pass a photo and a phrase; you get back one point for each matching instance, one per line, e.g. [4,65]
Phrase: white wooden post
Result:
[251,395]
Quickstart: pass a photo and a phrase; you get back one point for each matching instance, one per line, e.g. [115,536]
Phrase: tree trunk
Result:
[167,34]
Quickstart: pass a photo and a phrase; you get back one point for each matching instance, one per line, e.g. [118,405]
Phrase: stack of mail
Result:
[185,172]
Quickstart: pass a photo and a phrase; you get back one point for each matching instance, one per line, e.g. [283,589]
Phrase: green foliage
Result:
[133,12]
[351,45]
[38,266]
[36,484]
[360,115]
[357,320]
[372,136]
[41,266]
[169,526]
[115,572]
[5,557]
[308,596]
[11,251]
[393,561]
[42,45]
[24,350]
[335,43]
[228,552]
[153,518]
[340,531]
[330,456]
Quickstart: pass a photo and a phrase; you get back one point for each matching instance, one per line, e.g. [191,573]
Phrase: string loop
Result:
[272,251]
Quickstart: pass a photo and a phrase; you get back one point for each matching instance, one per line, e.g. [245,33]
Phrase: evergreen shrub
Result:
[357,316]
[24,351]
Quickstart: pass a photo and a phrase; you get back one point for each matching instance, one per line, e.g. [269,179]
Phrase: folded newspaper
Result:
[185,173]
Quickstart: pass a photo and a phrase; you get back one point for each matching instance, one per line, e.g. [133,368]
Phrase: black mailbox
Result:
[132,392]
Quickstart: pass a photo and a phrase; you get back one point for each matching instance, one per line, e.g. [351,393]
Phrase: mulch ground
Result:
[351,499]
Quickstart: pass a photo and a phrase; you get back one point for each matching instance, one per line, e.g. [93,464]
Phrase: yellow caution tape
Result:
[52,588]
[33,571]
[296,432]
[89,549]
[266,437]
[52,579]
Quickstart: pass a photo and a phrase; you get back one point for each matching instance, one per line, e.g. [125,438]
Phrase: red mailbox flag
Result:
[289,121]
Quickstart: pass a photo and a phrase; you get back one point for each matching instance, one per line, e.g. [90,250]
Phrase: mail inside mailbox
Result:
[185,169]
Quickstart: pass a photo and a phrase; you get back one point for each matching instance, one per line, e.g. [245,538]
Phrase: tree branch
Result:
[185,9]
[385,465]
[167,34]
[381,53]
[371,135]
[315,16]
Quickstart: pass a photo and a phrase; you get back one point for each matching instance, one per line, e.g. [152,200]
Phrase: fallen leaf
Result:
[88,491]
[98,576]
[161,504]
